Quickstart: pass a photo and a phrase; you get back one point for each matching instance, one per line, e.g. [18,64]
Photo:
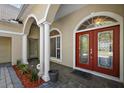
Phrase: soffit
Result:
[66,9]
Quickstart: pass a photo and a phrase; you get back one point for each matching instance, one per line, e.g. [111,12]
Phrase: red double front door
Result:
[98,50]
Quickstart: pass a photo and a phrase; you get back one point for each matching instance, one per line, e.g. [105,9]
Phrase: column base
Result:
[46,78]
[39,74]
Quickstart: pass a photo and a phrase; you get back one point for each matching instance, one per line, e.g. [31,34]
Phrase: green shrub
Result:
[18,62]
[24,68]
[34,74]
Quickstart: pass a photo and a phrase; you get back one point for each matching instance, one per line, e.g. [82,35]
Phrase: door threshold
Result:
[99,74]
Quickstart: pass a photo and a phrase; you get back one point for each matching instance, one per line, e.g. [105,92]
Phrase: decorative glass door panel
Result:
[105,49]
[83,46]
[98,50]
[84,49]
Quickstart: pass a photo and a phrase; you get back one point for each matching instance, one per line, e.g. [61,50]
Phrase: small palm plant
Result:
[24,68]
[34,74]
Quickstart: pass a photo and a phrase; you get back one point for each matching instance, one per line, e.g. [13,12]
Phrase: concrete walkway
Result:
[8,77]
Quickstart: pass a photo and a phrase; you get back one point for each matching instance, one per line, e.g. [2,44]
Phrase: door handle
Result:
[90,51]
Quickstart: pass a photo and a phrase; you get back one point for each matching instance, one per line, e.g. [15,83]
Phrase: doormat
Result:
[82,74]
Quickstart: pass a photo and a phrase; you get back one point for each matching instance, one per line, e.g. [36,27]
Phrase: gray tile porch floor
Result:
[8,78]
[67,79]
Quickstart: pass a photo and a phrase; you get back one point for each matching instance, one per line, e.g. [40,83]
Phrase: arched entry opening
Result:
[30,41]
[33,44]
[97,47]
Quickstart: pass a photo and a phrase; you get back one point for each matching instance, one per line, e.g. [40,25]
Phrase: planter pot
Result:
[54,74]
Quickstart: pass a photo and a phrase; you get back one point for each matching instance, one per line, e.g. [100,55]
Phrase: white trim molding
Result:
[27,19]
[53,59]
[119,19]
[10,32]
[60,35]
[29,16]
[114,24]
[47,10]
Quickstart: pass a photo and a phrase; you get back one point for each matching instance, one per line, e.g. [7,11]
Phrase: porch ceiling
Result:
[9,12]
[66,9]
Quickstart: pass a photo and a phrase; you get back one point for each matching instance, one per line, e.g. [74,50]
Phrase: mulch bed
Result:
[25,79]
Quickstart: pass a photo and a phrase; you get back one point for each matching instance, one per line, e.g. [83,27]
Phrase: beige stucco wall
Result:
[11,27]
[5,49]
[16,47]
[67,24]
[52,12]
[38,10]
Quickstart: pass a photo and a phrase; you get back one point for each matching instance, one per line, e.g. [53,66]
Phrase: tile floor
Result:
[68,78]
[8,77]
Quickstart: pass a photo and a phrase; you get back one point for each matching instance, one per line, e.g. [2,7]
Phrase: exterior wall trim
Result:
[27,19]
[47,10]
[120,21]
[10,32]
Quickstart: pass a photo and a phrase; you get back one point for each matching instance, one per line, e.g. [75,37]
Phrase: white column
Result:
[24,49]
[41,49]
[46,51]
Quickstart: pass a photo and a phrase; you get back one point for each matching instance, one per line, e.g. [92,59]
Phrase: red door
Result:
[83,46]
[98,50]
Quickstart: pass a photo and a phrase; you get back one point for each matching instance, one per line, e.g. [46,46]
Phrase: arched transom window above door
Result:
[55,45]
[97,21]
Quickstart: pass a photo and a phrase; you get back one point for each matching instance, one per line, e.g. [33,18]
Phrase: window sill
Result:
[55,59]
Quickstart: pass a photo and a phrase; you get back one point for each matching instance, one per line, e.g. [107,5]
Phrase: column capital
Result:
[46,22]
[40,25]
[43,23]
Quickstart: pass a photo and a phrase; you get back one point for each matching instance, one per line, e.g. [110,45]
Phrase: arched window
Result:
[97,21]
[55,45]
